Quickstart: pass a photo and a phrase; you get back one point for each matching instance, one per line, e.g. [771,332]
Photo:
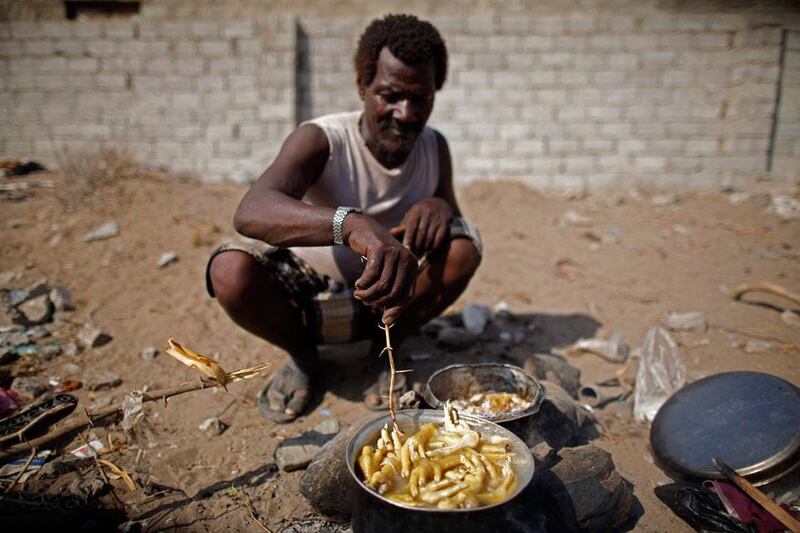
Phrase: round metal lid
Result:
[750,420]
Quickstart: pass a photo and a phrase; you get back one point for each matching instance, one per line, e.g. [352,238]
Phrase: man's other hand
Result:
[390,275]
[425,225]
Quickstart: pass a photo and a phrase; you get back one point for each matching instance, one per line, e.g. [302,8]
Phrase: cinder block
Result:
[656,23]
[10,48]
[112,81]
[120,29]
[69,47]
[25,30]
[87,28]
[54,29]
[98,48]
[37,47]
[711,40]
[185,101]
[649,164]
[241,29]
[85,64]
[205,29]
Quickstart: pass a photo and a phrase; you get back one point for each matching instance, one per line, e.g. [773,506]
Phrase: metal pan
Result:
[751,420]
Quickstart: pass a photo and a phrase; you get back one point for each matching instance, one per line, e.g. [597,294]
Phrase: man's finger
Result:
[371,274]
[439,236]
[421,236]
[397,231]
[378,290]
[391,315]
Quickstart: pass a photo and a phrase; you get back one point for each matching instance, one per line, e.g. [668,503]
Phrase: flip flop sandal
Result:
[286,379]
[381,389]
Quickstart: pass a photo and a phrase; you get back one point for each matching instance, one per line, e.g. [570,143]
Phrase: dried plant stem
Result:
[78,424]
[392,373]
[21,473]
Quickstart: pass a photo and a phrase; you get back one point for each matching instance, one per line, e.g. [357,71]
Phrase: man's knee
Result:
[463,259]
[231,275]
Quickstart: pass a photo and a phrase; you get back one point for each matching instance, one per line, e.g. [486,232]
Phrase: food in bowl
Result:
[450,466]
[492,403]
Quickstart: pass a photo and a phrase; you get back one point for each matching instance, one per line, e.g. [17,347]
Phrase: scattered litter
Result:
[149,353]
[325,411]
[12,468]
[573,218]
[475,318]
[689,321]
[88,450]
[8,277]
[512,337]
[132,412]
[567,269]
[32,386]
[738,198]
[791,319]
[91,336]
[661,373]
[15,223]
[682,230]
[665,199]
[101,380]
[67,385]
[613,349]
[25,185]
[106,231]
[61,298]
[19,167]
[167,258]
[757,346]
[785,206]
[9,401]
[34,311]
[213,426]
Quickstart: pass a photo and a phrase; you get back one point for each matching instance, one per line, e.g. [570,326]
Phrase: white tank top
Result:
[353,177]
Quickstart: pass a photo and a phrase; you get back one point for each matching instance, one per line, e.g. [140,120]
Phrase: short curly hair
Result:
[409,39]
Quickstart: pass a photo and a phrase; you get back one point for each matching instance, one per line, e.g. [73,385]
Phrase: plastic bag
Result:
[131,411]
[661,373]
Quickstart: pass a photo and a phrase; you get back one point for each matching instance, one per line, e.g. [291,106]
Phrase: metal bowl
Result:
[374,512]
[462,381]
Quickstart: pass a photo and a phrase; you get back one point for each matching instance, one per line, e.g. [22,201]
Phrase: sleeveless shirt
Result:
[352,177]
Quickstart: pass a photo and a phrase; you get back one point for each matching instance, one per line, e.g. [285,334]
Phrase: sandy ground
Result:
[633,263]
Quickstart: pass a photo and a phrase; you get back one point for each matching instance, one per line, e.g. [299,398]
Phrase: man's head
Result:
[401,62]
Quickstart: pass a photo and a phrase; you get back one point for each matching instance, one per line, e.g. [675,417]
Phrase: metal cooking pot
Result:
[462,381]
[373,513]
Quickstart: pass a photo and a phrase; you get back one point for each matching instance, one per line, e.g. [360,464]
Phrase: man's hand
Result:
[390,275]
[425,225]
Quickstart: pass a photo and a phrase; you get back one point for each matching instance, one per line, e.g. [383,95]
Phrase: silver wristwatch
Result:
[338,220]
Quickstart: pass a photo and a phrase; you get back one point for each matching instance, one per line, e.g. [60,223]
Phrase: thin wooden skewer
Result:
[773,508]
[390,352]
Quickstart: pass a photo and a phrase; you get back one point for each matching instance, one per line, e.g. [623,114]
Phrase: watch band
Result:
[338,220]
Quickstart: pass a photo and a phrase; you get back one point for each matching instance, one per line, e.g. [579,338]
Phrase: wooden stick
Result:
[765,286]
[392,373]
[771,507]
[94,416]
[21,473]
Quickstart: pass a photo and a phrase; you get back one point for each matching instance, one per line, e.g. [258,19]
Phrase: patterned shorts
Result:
[328,307]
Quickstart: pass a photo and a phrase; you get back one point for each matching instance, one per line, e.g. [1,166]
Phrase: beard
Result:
[396,141]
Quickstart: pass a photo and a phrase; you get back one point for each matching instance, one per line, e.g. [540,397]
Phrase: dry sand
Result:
[670,257]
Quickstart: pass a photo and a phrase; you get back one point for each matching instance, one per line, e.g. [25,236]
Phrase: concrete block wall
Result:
[589,99]
[786,156]
[208,97]
[556,94]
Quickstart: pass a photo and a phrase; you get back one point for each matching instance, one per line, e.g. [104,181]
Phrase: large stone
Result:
[326,483]
[91,336]
[454,338]
[61,298]
[102,380]
[35,311]
[32,386]
[475,318]
[560,422]
[556,369]
[297,452]
[600,497]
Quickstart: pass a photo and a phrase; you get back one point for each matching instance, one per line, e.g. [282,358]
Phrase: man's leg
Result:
[257,301]
[439,284]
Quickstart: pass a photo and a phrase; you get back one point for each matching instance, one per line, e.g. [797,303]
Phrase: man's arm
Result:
[272,212]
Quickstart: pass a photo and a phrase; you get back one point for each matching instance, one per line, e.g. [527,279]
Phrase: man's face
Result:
[397,104]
